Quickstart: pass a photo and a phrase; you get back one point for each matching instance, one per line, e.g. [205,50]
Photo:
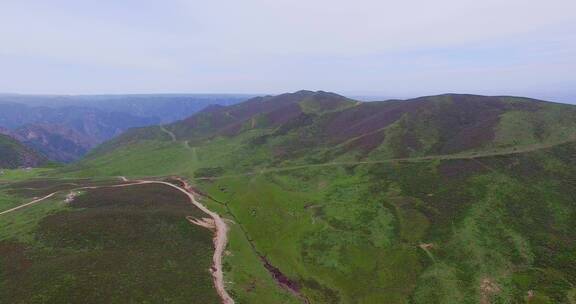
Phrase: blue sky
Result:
[367,47]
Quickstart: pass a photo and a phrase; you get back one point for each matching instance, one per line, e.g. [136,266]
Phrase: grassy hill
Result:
[307,127]
[484,230]
[441,199]
[13,154]
[110,245]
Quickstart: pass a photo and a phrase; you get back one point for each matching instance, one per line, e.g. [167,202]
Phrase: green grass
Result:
[333,229]
[122,245]
[12,175]
[552,123]
[345,233]
[351,234]
[516,128]
[21,225]
[324,235]
[153,158]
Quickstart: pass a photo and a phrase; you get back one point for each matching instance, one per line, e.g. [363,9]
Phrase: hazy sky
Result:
[381,47]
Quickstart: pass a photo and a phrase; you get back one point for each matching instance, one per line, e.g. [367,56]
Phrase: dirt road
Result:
[28,204]
[219,227]
[220,236]
[220,240]
[170,133]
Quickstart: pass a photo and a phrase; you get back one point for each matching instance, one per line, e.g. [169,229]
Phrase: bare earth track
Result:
[219,227]
[170,133]
[28,204]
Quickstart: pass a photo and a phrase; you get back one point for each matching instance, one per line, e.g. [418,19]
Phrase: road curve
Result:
[220,237]
[220,241]
[28,204]
[170,133]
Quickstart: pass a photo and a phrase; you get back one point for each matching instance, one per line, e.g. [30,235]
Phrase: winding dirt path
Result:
[220,239]
[28,204]
[170,133]
[220,233]
[219,227]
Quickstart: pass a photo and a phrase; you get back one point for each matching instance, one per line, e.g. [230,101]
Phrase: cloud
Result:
[396,47]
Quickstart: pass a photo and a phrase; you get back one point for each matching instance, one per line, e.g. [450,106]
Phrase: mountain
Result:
[95,123]
[13,154]
[65,128]
[65,134]
[441,199]
[56,142]
[261,112]
[165,108]
[319,127]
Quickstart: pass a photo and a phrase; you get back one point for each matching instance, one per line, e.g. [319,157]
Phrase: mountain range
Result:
[65,128]
[318,127]
[454,198]
[14,154]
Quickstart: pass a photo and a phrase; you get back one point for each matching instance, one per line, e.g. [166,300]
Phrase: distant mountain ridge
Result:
[329,126]
[163,107]
[64,134]
[14,154]
[57,142]
[65,128]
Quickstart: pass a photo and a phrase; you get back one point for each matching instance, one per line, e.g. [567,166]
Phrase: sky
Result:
[363,47]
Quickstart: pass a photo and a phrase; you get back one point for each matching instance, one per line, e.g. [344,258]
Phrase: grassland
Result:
[122,245]
[453,231]
[431,231]
[396,206]
[12,175]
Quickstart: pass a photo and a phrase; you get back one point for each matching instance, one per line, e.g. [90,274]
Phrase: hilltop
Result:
[318,127]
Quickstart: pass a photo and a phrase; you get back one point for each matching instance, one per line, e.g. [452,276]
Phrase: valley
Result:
[64,128]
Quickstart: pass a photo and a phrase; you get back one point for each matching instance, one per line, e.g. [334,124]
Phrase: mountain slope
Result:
[283,129]
[65,134]
[56,142]
[442,199]
[165,108]
[259,112]
[492,229]
[65,127]
[13,154]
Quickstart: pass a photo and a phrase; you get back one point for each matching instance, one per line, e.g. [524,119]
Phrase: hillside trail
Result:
[220,227]
[471,155]
[170,133]
[28,204]
[192,149]
[220,240]
[185,143]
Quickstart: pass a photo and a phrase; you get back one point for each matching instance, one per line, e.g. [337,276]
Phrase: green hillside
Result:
[444,231]
[13,154]
[282,131]
[123,245]
[441,199]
